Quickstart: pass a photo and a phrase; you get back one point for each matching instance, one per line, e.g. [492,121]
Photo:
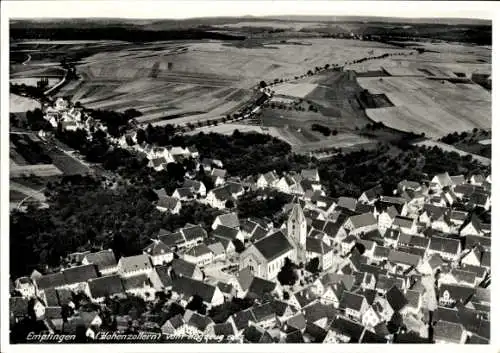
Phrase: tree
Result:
[287,275]
[229,204]
[313,265]
[239,246]
[262,84]
[196,304]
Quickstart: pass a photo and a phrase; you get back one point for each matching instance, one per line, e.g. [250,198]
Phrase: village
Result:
[409,267]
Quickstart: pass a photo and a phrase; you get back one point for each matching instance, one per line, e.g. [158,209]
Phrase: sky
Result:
[188,9]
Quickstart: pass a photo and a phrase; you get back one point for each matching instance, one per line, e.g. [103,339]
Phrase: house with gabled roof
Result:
[267,256]
[439,181]
[230,220]
[371,195]
[197,187]
[260,287]
[267,180]
[186,288]
[331,294]
[200,254]
[76,278]
[451,294]
[403,260]
[218,176]
[140,286]
[172,325]
[108,286]
[169,204]
[263,316]
[228,233]
[353,304]
[104,260]
[316,247]
[458,276]
[344,330]
[348,203]
[385,218]
[159,252]
[448,248]
[193,234]
[183,194]
[362,223]
[134,265]
[256,334]
[181,267]
[310,174]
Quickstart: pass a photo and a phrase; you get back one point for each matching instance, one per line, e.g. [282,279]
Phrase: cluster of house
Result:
[70,118]
[390,268]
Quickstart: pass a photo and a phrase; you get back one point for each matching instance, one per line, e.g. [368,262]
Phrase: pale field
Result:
[20,104]
[449,148]
[31,81]
[342,140]
[299,90]
[204,76]
[430,106]
[41,170]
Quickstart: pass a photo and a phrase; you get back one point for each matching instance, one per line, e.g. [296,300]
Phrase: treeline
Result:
[325,130]
[128,34]
[349,174]
[116,122]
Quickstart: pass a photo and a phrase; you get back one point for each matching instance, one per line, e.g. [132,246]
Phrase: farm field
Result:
[40,170]
[299,90]
[20,104]
[201,79]
[431,106]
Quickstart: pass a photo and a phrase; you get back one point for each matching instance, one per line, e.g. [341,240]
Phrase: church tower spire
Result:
[297,231]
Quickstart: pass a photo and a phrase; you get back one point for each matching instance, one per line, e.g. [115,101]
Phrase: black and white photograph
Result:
[246,172]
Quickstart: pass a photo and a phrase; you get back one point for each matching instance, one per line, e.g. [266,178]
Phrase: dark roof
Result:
[65,296]
[164,275]
[347,202]
[18,306]
[194,232]
[242,317]
[447,245]
[363,220]
[222,193]
[224,329]
[199,321]
[168,202]
[172,239]
[245,278]
[156,247]
[260,286]
[351,300]
[317,246]
[103,259]
[184,192]
[381,251]
[135,282]
[255,334]
[371,337]
[348,328]
[190,287]
[410,337]
[263,312]
[273,245]
[396,299]
[182,267]
[457,292]
[105,286]
[50,281]
[318,311]
[315,333]
[403,258]
[198,250]
[51,298]
[258,233]
[225,232]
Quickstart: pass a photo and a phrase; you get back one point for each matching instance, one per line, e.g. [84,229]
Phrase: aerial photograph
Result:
[255,178]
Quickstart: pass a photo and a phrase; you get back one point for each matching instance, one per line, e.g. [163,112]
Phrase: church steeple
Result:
[297,231]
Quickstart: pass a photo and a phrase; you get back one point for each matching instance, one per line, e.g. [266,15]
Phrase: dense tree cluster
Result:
[288,275]
[261,205]
[348,174]
[325,130]
[84,215]
[116,122]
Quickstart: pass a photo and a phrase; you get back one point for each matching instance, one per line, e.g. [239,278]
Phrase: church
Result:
[266,257]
